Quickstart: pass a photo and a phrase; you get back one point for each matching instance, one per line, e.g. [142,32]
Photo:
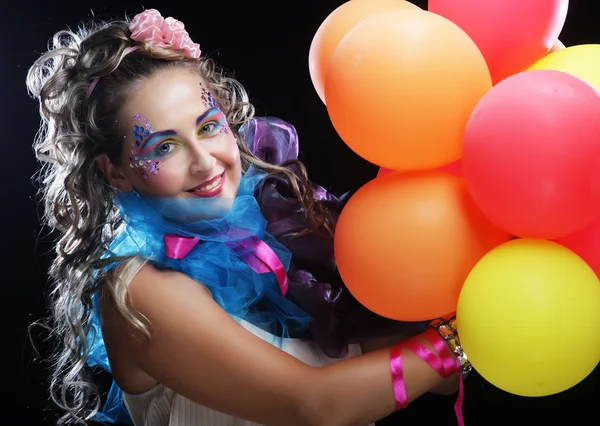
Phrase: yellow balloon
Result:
[582,61]
[528,318]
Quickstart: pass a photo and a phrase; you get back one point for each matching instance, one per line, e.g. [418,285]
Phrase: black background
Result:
[266,44]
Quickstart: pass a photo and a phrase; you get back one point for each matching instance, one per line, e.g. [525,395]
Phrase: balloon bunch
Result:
[487,204]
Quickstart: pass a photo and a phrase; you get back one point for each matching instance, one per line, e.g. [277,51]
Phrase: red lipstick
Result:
[210,187]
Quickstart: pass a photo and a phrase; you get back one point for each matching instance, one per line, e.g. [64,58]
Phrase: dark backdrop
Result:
[266,44]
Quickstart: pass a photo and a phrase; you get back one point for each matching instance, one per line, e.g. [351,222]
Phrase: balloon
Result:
[528,318]
[400,88]
[559,45]
[586,244]
[511,34]
[336,26]
[454,168]
[383,171]
[405,243]
[531,154]
[582,61]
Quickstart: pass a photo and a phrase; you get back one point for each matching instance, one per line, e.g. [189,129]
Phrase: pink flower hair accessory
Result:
[150,27]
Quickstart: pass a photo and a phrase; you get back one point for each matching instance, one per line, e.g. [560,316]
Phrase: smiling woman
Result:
[198,274]
[181,144]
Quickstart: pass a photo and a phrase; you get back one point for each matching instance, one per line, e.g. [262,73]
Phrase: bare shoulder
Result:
[152,296]
[145,293]
[152,286]
[194,348]
[122,338]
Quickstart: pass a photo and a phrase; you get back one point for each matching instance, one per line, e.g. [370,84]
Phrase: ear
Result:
[113,173]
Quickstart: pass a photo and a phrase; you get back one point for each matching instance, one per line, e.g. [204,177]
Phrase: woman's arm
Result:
[447,386]
[200,352]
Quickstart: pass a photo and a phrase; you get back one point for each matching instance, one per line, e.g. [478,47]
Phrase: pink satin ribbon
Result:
[444,363]
[262,259]
[398,384]
[177,247]
[254,251]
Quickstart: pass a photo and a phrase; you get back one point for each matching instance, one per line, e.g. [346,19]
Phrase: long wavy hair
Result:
[77,198]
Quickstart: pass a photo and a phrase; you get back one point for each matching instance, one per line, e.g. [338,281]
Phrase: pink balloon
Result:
[511,34]
[586,244]
[455,168]
[531,154]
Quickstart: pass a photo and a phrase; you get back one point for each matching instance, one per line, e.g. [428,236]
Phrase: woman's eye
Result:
[165,148]
[207,128]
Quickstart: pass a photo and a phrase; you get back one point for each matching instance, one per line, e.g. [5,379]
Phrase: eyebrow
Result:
[208,113]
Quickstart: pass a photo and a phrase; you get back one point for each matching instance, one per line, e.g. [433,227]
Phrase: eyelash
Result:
[214,125]
[167,143]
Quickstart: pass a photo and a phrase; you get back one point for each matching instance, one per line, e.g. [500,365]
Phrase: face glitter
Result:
[146,167]
[214,120]
[208,99]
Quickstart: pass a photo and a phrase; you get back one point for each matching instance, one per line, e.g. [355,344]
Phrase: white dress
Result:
[161,406]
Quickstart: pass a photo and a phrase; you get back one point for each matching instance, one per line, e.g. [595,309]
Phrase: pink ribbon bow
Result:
[254,251]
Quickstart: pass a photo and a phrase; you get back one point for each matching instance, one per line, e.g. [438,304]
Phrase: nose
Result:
[202,159]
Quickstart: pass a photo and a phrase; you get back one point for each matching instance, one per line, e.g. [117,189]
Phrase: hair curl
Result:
[78,201]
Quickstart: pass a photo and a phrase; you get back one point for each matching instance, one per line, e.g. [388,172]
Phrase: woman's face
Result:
[177,141]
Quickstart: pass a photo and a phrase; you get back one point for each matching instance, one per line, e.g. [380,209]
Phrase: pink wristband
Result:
[398,384]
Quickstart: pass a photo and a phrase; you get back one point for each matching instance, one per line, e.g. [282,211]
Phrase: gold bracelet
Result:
[447,330]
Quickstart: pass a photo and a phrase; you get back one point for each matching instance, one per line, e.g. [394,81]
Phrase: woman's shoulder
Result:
[148,278]
[130,314]
[127,292]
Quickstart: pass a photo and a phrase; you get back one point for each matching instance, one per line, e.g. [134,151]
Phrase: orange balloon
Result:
[406,242]
[336,26]
[401,86]
[455,168]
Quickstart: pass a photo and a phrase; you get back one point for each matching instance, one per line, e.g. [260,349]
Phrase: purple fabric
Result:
[271,139]
[314,282]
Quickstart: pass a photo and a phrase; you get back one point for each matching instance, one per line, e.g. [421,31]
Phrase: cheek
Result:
[232,154]
[166,182]
[234,165]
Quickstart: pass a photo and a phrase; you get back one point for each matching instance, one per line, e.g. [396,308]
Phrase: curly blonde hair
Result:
[77,198]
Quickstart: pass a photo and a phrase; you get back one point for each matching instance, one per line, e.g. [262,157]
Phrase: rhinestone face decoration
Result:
[208,99]
[141,130]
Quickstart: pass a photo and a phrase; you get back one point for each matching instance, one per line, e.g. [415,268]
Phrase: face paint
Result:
[211,122]
[147,148]
[150,148]
[210,102]
[208,99]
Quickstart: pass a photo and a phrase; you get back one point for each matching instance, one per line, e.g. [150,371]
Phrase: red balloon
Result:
[511,34]
[531,154]
[586,244]
[455,168]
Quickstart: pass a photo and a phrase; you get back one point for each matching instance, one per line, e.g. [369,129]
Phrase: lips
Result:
[209,188]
